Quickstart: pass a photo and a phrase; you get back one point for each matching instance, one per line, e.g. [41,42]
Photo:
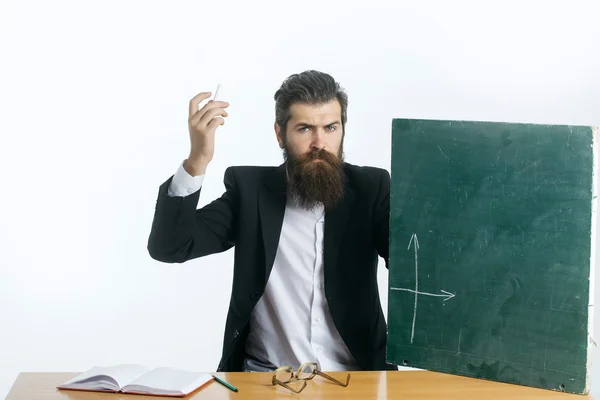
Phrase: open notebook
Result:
[130,378]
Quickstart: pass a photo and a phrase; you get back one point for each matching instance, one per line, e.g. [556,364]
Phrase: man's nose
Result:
[318,140]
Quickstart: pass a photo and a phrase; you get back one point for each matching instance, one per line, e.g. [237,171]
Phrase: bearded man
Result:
[307,236]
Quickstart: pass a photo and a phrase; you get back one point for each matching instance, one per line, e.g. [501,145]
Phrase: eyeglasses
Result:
[284,375]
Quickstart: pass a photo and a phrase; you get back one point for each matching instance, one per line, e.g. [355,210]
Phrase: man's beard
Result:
[316,182]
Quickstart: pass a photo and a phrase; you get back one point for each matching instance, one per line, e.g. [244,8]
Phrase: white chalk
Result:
[215,98]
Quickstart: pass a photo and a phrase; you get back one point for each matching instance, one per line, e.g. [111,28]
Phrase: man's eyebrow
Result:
[312,126]
[303,124]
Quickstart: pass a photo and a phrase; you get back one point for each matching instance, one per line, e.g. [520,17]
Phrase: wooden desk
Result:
[257,385]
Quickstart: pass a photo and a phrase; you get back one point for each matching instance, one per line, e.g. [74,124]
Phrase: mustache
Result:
[318,154]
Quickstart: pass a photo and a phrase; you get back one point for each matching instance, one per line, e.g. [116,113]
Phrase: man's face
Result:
[313,127]
[313,148]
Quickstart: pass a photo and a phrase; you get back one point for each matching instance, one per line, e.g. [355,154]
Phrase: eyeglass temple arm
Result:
[289,387]
[324,375]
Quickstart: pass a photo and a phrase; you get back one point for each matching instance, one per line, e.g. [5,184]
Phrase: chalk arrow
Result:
[416,240]
[446,295]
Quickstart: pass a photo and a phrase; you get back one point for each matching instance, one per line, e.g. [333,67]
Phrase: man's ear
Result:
[278,134]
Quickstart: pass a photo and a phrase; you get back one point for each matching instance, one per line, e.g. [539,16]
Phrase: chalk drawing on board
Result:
[414,241]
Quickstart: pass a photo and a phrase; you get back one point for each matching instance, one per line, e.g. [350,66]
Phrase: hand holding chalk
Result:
[202,124]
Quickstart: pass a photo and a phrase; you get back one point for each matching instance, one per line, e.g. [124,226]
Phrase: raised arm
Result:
[179,231]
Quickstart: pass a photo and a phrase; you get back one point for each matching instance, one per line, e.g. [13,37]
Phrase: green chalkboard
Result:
[491,229]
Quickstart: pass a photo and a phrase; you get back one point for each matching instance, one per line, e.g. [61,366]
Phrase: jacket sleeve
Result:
[180,232]
[381,214]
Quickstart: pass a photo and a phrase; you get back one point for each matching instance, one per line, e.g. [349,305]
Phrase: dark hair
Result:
[308,87]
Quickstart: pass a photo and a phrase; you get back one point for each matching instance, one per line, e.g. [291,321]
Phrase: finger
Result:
[215,123]
[196,100]
[209,115]
[208,106]
[213,104]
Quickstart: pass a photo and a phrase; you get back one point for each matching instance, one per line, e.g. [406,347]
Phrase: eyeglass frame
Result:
[295,376]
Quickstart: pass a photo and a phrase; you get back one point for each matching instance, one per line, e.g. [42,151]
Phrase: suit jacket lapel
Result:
[335,226]
[271,208]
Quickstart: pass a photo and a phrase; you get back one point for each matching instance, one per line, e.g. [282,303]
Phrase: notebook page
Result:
[94,378]
[126,373]
[169,380]
[106,377]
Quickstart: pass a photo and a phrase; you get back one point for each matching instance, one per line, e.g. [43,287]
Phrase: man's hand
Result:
[202,125]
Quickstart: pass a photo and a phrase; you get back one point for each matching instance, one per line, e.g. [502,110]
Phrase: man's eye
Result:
[332,127]
[303,129]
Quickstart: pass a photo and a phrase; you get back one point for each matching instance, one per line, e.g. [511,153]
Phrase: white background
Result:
[93,118]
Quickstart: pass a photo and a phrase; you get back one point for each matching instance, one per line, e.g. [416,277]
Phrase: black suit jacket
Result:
[249,216]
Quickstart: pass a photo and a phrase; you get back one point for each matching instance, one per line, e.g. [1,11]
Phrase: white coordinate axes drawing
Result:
[446,295]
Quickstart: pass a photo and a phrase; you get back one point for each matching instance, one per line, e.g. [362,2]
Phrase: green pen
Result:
[227,385]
